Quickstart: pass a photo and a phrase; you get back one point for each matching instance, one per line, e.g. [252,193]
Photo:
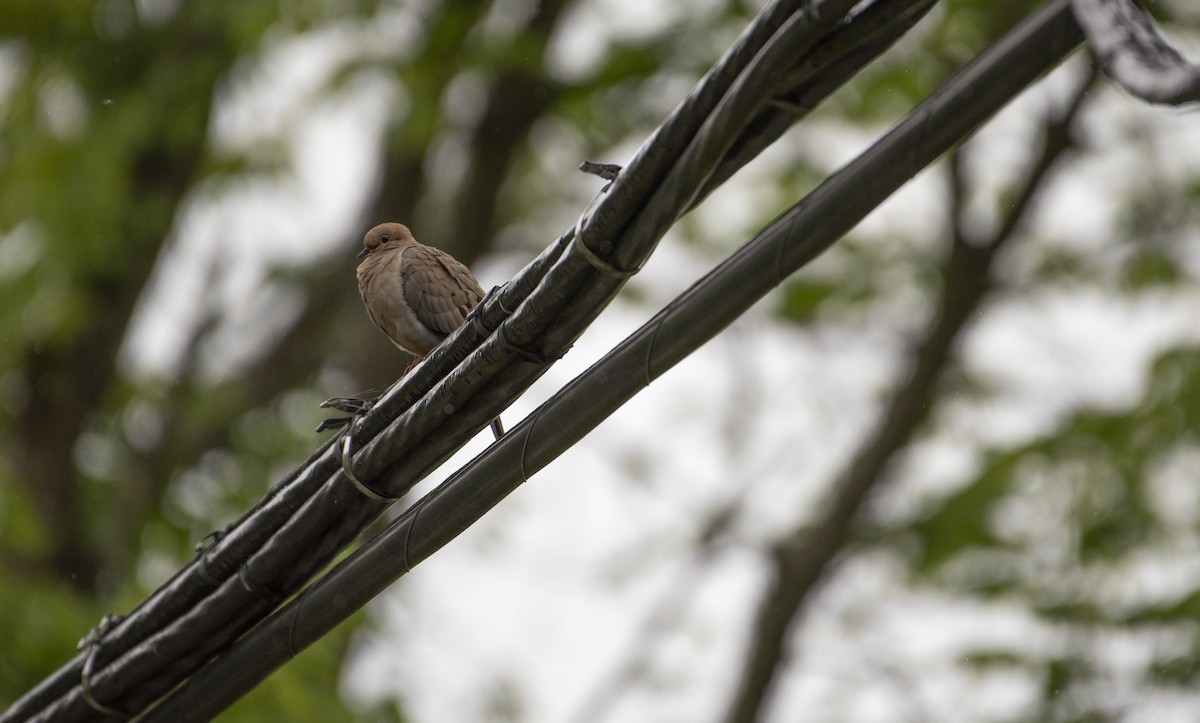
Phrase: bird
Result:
[416,294]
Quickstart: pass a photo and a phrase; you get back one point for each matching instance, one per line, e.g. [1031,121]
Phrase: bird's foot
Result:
[413,364]
[350,405]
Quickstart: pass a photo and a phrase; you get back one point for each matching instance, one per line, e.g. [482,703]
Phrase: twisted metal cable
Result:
[808,228]
[314,513]
[1134,54]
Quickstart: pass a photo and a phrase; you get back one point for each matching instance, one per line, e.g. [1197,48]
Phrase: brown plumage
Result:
[415,293]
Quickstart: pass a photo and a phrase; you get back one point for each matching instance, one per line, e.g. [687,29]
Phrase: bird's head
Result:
[383,236]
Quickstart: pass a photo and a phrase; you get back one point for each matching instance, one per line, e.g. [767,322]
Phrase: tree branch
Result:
[802,557]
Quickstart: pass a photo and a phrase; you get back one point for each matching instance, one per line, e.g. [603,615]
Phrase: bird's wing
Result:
[438,288]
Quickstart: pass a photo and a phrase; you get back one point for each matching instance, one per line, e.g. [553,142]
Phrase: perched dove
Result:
[415,293]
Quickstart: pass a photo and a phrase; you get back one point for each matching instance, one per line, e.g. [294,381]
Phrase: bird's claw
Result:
[413,364]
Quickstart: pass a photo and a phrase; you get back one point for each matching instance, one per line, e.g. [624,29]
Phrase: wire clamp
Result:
[91,643]
[348,469]
[607,171]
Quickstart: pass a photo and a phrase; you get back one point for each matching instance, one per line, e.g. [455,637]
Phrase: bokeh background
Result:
[183,187]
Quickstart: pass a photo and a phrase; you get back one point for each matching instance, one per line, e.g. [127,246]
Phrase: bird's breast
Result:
[382,291]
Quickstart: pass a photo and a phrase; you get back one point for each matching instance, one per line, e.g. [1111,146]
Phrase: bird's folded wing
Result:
[438,288]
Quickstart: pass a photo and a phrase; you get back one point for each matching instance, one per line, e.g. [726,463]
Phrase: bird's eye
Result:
[384,238]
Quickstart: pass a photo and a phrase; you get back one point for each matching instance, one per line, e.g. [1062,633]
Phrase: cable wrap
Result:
[788,59]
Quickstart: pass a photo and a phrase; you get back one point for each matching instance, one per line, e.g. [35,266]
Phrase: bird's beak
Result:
[363,254]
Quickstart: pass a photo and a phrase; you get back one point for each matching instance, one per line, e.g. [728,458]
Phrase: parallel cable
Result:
[312,515]
[1134,54]
[964,102]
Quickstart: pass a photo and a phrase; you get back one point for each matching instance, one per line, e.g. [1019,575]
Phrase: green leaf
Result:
[802,299]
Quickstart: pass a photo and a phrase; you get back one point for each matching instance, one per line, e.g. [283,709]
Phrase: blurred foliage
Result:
[1090,527]
[109,476]
[103,133]
[1099,465]
[1064,523]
